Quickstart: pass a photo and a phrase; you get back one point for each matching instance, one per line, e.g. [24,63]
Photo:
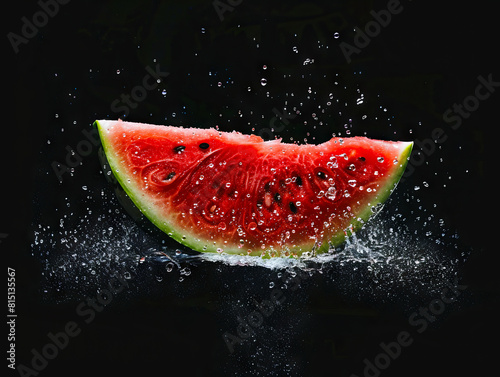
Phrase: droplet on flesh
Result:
[331,193]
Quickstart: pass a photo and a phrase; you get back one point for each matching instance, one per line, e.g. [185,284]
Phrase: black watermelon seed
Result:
[179,149]
[169,176]
[293,207]
[362,158]
[298,181]
[321,175]
[204,145]
[277,197]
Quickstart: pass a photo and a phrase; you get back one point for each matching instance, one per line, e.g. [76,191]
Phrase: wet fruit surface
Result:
[238,194]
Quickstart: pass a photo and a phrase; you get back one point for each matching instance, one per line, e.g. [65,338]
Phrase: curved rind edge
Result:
[367,213]
[191,240]
[163,226]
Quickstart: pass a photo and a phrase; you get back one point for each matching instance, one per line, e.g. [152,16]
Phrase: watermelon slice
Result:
[232,193]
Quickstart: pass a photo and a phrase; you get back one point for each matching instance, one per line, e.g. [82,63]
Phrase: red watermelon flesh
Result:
[228,192]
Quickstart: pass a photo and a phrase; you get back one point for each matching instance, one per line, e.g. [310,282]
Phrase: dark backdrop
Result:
[88,54]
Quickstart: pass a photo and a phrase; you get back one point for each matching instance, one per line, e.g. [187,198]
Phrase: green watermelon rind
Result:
[384,192]
[190,240]
[114,163]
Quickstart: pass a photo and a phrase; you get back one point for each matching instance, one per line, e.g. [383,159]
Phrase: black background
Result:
[426,59]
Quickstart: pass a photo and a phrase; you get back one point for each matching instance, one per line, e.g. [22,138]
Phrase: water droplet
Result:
[203,30]
[351,182]
[164,92]
[263,82]
[271,284]
[219,84]
[332,164]
[169,266]
[84,188]
[331,193]
[117,71]
[252,226]
[395,161]
[336,35]
[264,66]
[380,159]
[222,225]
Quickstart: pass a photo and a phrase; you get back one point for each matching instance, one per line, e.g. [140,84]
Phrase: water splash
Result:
[377,246]
[386,253]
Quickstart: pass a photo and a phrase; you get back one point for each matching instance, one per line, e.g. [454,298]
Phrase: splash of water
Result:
[383,253]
